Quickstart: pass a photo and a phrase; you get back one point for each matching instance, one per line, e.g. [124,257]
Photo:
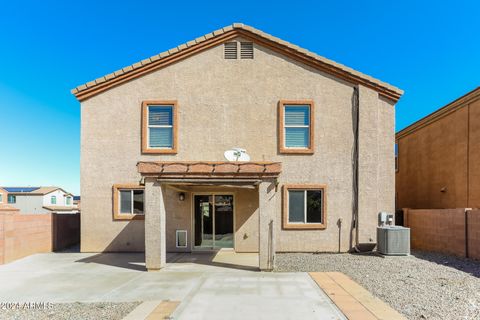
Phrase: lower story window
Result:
[128,202]
[304,207]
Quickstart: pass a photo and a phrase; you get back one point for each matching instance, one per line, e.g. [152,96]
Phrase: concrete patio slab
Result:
[205,291]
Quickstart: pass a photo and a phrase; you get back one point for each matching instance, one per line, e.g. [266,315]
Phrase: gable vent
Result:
[230,50]
[246,50]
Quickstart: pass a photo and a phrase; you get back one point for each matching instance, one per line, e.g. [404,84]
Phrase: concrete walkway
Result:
[205,287]
[352,299]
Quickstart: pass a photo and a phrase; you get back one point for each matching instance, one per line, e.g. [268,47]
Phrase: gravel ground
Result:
[421,286]
[73,311]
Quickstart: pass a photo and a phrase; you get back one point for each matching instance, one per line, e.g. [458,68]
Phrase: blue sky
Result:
[428,48]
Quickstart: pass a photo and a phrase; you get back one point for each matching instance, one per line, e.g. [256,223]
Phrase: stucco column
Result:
[155,245]
[266,205]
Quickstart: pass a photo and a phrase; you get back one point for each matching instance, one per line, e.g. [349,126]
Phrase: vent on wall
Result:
[230,50]
[246,50]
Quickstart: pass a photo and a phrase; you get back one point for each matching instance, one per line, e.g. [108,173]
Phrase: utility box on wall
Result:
[393,240]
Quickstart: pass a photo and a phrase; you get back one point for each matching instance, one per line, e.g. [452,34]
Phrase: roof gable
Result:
[453,106]
[220,36]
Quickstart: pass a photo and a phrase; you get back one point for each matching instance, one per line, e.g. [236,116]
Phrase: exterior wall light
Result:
[181,196]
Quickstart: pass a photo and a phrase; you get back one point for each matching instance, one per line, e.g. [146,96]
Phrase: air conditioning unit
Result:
[393,240]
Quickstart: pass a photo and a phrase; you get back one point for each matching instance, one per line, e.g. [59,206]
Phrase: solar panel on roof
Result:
[20,189]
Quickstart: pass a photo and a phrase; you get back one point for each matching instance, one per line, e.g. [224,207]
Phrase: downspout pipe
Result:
[355,158]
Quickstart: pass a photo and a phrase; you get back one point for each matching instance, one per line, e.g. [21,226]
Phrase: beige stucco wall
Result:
[233,103]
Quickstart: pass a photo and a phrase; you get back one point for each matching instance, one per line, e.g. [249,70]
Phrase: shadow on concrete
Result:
[136,260]
[127,260]
[230,260]
[469,266]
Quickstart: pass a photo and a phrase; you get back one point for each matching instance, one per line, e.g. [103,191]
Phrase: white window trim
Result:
[285,126]
[131,202]
[51,200]
[176,239]
[149,126]
[305,207]
[1,197]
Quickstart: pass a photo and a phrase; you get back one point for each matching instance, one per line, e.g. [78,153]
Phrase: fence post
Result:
[54,231]
[467,210]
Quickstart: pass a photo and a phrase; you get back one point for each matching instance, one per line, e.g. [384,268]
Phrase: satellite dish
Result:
[236,154]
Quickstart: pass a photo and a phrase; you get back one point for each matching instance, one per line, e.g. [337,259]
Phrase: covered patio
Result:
[219,188]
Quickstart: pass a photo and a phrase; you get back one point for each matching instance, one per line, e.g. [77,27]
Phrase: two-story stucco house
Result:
[153,174]
[40,199]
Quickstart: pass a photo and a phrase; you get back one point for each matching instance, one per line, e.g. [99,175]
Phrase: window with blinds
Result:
[296,125]
[160,127]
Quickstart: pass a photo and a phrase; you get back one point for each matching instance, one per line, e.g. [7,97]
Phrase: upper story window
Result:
[304,207]
[1,197]
[128,202]
[296,126]
[159,127]
[12,198]
[53,200]
[68,201]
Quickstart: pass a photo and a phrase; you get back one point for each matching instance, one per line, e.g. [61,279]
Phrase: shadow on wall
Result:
[130,239]
[469,266]
[132,236]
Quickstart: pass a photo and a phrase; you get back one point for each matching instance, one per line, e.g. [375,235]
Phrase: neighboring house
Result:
[40,199]
[76,201]
[439,158]
[153,136]
[3,196]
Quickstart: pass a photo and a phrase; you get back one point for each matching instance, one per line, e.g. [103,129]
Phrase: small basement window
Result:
[128,202]
[304,207]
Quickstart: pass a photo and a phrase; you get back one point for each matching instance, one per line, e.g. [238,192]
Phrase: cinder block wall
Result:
[474,234]
[444,231]
[24,234]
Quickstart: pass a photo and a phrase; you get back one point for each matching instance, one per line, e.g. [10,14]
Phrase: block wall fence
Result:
[24,234]
[450,231]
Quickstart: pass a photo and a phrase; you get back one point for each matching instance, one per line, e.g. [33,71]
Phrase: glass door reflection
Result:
[213,221]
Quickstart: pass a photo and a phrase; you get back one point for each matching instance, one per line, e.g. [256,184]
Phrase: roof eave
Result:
[440,113]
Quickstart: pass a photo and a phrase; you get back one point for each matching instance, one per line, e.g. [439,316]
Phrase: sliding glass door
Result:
[213,221]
